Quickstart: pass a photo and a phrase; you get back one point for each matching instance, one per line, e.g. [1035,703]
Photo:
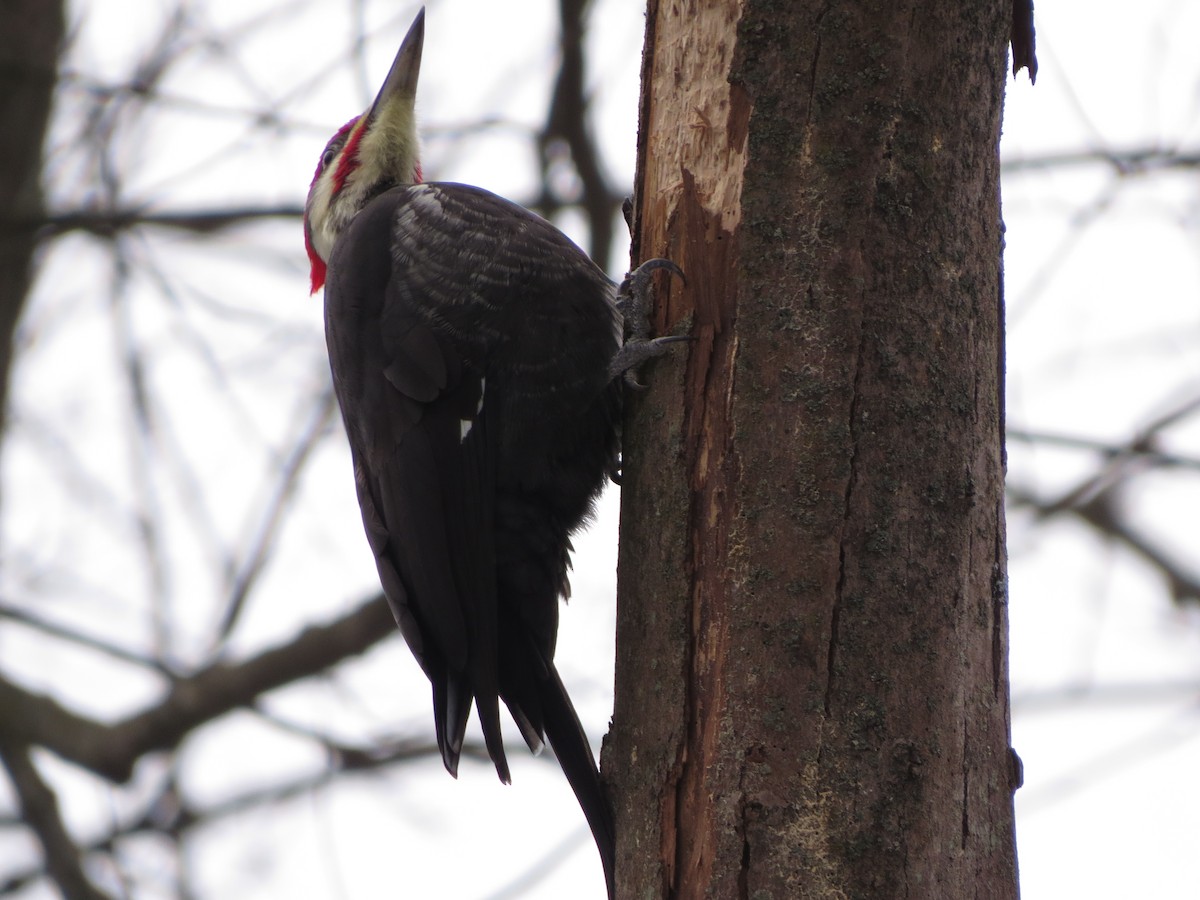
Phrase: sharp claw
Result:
[633,287]
[637,351]
[631,301]
[614,472]
[652,265]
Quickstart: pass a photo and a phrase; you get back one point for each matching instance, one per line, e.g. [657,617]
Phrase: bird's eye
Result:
[328,157]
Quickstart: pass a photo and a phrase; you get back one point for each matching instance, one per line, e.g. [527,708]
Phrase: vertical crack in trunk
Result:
[851,478]
[966,784]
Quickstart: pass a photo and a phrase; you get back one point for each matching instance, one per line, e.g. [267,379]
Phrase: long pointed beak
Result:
[401,81]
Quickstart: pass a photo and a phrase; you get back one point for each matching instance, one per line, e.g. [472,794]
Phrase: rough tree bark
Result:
[812,692]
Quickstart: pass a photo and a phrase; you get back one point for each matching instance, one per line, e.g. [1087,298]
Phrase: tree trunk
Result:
[30,34]
[812,691]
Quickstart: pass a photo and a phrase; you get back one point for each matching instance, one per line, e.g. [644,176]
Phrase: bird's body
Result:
[479,358]
[476,449]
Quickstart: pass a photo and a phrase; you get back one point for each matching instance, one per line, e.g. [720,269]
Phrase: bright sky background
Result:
[1104,308]
[1104,334]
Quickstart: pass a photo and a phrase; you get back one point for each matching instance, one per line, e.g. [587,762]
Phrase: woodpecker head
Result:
[368,155]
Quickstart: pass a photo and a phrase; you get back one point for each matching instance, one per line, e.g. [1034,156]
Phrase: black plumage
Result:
[471,345]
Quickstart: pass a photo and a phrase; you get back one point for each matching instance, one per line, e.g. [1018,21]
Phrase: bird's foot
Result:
[633,303]
[637,351]
[633,296]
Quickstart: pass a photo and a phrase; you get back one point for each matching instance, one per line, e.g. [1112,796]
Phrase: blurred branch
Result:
[1082,221]
[110,223]
[1137,161]
[167,813]
[141,440]
[112,750]
[1103,512]
[74,636]
[1149,455]
[1105,515]
[567,127]
[39,810]
[273,515]
[543,868]
[1087,774]
[1138,455]
[1096,499]
[1076,696]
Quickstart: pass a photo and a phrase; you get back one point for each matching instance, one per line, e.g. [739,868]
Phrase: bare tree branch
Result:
[567,128]
[39,810]
[1097,499]
[273,514]
[80,638]
[166,813]
[1104,513]
[1074,696]
[554,857]
[1136,161]
[111,750]
[1133,750]
[1149,455]
[108,223]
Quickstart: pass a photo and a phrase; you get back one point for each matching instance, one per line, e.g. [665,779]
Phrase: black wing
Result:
[424,487]
[469,342]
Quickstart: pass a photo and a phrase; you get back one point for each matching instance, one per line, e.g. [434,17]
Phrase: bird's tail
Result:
[575,757]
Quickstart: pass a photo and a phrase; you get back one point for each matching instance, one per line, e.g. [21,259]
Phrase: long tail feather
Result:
[575,757]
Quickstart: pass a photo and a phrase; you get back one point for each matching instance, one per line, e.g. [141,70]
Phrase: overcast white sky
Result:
[1104,301]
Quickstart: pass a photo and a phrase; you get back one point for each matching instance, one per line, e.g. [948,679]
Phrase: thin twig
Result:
[273,513]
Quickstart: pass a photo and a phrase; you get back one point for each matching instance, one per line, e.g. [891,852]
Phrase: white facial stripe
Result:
[319,214]
[387,154]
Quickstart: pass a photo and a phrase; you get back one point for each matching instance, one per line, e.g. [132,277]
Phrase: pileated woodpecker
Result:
[479,358]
